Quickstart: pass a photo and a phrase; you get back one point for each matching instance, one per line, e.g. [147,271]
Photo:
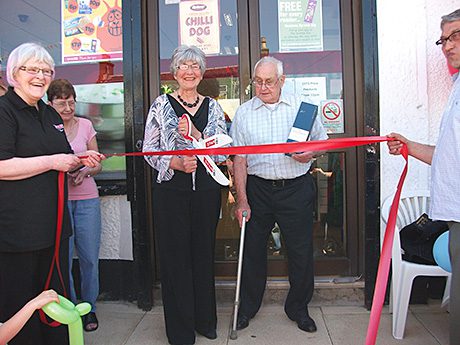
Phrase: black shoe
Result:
[306,323]
[212,334]
[90,322]
[242,322]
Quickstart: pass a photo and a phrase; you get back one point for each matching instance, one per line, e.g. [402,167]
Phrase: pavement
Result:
[123,323]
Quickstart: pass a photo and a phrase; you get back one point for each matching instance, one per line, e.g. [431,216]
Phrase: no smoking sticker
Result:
[332,116]
[331,111]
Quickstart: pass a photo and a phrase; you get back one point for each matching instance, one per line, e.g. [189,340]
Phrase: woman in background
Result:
[84,206]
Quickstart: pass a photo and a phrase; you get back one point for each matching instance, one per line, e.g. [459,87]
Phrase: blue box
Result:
[303,123]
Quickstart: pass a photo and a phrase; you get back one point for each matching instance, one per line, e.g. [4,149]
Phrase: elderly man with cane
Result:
[274,188]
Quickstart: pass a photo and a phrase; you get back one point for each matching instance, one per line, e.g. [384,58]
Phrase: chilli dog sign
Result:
[199,25]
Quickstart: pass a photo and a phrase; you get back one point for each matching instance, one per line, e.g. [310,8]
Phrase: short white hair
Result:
[272,60]
[23,53]
[185,53]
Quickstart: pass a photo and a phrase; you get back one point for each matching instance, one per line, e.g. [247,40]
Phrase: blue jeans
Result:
[85,216]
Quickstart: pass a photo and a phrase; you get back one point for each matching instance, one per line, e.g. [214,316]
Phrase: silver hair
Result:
[185,53]
[270,59]
[451,17]
[23,53]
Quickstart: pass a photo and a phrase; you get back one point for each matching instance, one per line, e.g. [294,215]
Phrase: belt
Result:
[278,183]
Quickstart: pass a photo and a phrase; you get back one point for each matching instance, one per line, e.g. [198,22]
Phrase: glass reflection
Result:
[329,217]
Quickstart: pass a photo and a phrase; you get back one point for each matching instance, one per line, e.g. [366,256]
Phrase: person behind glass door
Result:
[33,149]
[185,220]
[274,188]
[84,205]
[444,159]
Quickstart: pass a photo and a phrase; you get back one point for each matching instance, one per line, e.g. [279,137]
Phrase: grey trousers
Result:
[454,301]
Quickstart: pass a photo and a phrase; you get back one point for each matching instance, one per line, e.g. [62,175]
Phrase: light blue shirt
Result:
[445,187]
[256,123]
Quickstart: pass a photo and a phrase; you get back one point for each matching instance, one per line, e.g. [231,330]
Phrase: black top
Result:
[183,181]
[28,207]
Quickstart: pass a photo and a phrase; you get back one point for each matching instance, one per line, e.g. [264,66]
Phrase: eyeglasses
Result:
[268,83]
[185,67]
[64,104]
[47,72]
[454,37]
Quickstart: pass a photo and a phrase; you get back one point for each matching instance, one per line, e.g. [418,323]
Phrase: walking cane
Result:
[233,334]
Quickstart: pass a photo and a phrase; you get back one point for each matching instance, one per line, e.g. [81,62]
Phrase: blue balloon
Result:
[441,252]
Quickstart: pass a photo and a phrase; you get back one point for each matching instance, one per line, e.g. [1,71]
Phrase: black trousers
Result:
[454,302]
[290,204]
[185,224]
[22,277]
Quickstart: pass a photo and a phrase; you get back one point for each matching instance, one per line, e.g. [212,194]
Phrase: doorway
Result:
[314,40]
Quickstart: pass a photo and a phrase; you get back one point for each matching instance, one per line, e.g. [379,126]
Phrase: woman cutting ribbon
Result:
[33,150]
[185,212]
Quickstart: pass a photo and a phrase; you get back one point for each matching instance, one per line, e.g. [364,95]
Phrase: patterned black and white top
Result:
[161,133]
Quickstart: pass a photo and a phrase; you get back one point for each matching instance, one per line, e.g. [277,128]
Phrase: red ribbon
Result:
[385,259]
[320,145]
[57,245]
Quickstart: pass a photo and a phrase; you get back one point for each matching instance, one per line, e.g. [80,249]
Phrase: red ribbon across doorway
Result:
[291,147]
[321,145]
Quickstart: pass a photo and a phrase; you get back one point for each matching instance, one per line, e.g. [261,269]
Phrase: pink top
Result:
[88,188]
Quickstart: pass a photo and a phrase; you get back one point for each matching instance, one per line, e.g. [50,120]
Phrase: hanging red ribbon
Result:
[57,245]
[385,259]
[321,145]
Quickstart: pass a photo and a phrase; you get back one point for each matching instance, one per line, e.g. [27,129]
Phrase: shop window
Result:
[84,38]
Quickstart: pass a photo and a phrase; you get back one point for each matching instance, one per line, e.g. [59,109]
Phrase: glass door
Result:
[213,26]
[308,37]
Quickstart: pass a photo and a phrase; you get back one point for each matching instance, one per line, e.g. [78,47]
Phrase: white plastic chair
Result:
[411,206]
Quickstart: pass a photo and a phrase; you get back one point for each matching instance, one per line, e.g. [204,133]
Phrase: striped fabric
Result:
[161,133]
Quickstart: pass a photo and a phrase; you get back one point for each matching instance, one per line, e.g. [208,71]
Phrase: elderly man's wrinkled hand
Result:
[240,208]
[303,157]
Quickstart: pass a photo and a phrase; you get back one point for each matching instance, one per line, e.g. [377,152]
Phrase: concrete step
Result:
[347,291]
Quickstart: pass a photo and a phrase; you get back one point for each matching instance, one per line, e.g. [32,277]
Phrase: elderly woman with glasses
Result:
[33,150]
[84,204]
[186,201]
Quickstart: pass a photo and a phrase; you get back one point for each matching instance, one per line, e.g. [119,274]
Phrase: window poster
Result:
[199,24]
[312,89]
[300,25]
[92,30]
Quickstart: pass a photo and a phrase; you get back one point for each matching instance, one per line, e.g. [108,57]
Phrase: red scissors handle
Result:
[188,134]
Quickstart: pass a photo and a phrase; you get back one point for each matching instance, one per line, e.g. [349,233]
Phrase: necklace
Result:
[189,105]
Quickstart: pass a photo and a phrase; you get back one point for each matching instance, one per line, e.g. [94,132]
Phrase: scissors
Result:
[216,140]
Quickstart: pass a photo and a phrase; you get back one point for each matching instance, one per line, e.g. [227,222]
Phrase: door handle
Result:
[139,144]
